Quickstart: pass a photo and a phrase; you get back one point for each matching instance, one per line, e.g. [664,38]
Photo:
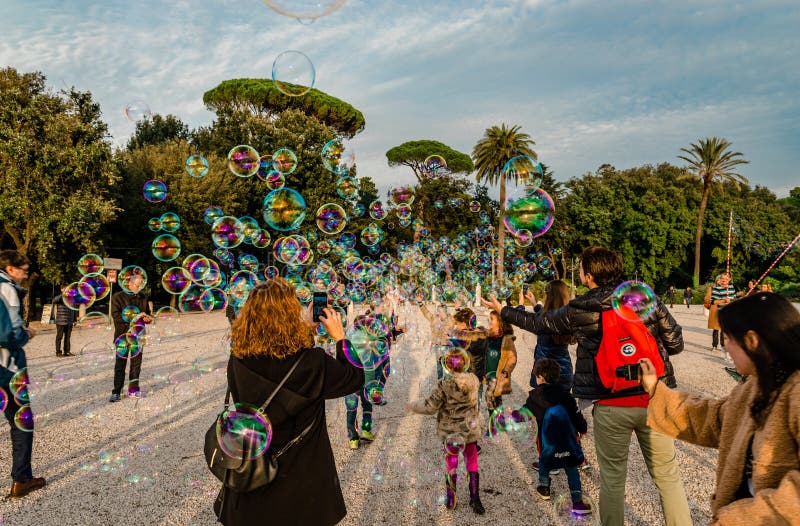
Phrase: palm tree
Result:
[710,161]
[498,145]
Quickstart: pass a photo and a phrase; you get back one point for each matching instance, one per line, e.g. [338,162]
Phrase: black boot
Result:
[450,491]
[474,493]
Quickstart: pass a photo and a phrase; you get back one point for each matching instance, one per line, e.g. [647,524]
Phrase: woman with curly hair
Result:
[270,334]
[757,426]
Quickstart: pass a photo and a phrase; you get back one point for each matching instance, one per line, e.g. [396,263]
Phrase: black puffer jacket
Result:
[581,317]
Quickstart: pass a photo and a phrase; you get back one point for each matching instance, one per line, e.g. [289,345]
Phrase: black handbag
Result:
[241,473]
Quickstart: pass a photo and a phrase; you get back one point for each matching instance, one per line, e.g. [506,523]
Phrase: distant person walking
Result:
[14,268]
[687,296]
[671,296]
[721,294]
[65,321]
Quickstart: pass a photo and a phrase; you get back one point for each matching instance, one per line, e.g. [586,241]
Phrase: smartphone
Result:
[320,302]
[629,371]
[524,288]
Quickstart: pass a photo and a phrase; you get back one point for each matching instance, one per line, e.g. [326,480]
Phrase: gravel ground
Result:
[140,461]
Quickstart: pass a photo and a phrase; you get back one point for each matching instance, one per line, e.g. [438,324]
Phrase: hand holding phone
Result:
[320,303]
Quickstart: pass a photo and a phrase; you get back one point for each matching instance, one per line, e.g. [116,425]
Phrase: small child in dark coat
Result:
[559,421]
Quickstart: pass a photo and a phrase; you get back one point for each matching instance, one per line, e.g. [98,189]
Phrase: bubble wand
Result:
[764,275]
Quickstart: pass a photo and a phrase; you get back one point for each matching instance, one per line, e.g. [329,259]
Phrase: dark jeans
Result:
[717,338]
[133,377]
[63,331]
[573,479]
[21,445]
[351,404]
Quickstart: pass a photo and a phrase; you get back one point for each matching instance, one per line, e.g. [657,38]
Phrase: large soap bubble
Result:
[293,73]
[331,218]
[284,209]
[338,156]
[529,210]
[526,170]
[243,160]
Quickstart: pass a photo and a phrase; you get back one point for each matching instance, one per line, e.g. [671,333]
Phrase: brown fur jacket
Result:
[726,424]
[455,402]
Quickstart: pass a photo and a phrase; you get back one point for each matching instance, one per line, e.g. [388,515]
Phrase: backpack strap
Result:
[288,374]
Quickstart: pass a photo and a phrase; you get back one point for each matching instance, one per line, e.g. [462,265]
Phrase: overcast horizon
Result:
[592,83]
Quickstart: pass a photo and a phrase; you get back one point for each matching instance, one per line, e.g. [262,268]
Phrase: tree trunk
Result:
[501,233]
[699,233]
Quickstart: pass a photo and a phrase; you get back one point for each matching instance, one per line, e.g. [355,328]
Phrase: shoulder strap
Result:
[288,374]
[296,439]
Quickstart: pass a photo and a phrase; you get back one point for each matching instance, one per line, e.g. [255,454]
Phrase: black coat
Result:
[119,301]
[582,317]
[307,489]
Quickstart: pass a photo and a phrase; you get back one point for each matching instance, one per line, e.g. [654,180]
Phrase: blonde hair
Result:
[271,323]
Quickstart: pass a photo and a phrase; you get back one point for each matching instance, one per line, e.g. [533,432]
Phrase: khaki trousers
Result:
[612,435]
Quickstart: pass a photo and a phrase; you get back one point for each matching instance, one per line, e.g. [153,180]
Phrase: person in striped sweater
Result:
[722,293]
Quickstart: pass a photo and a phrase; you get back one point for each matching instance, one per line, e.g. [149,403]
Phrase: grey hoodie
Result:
[455,404]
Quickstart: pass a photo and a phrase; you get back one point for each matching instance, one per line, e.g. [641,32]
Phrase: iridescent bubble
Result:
[243,431]
[331,218]
[175,280]
[76,295]
[438,204]
[18,386]
[359,209]
[276,180]
[284,209]
[129,313]
[633,300]
[213,299]
[197,266]
[371,235]
[364,349]
[305,9]
[154,224]
[284,161]
[286,249]
[132,276]
[523,238]
[190,299]
[197,166]
[166,247]
[137,111]
[170,222]
[3,399]
[211,214]
[262,239]
[456,360]
[127,346]
[402,195]
[403,212]
[293,73]
[434,165]
[243,161]
[248,228]
[241,284]
[377,210]
[373,391]
[529,210]
[454,443]
[265,169]
[338,156]
[347,188]
[475,206]
[517,422]
[154,191]
[323,247]
[225,234]
[98,283]
[248,262]
[90,264]
[23,418]
[526,170]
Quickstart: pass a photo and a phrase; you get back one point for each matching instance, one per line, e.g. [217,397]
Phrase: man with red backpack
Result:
[620,407]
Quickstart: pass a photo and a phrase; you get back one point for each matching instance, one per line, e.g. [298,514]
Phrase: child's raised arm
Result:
[431,405]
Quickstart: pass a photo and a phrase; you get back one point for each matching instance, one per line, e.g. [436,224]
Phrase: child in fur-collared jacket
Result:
[455,402]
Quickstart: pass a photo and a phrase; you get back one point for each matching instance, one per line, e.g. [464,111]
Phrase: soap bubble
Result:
[175,280]
[475,206]
[434,165]
[224,233]
[284,161]
[127,274]
[90,264]
[243,161]
[211,214]
[305,9]
[373,391]
[516,422]
[338,156]
[18,386]
[197,266]
[3,399]
[284,209]
[197,166]
[293,73]
[371,235]
[127,346]
[454,443]
[166,247]
[154,224]
[78,294]
[347,187]
[377,210]
[633,300]
[23,419]
[170,222]
[276,180]
[456,360]
[248,228]
[529,210]
[137,111]
[401,195]
[243,431]
[526,170]
[331,218]
[154,191]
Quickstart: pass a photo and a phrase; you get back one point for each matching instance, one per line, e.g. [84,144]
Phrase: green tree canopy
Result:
[414,153]
[55,172]
[158,129]
[261,97]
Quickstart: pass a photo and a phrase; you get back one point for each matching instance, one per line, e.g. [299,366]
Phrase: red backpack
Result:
[625,341]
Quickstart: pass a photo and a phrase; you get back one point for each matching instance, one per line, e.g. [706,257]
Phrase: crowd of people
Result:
[756,427]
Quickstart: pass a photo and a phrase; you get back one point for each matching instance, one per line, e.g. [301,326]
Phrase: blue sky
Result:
[593,82]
